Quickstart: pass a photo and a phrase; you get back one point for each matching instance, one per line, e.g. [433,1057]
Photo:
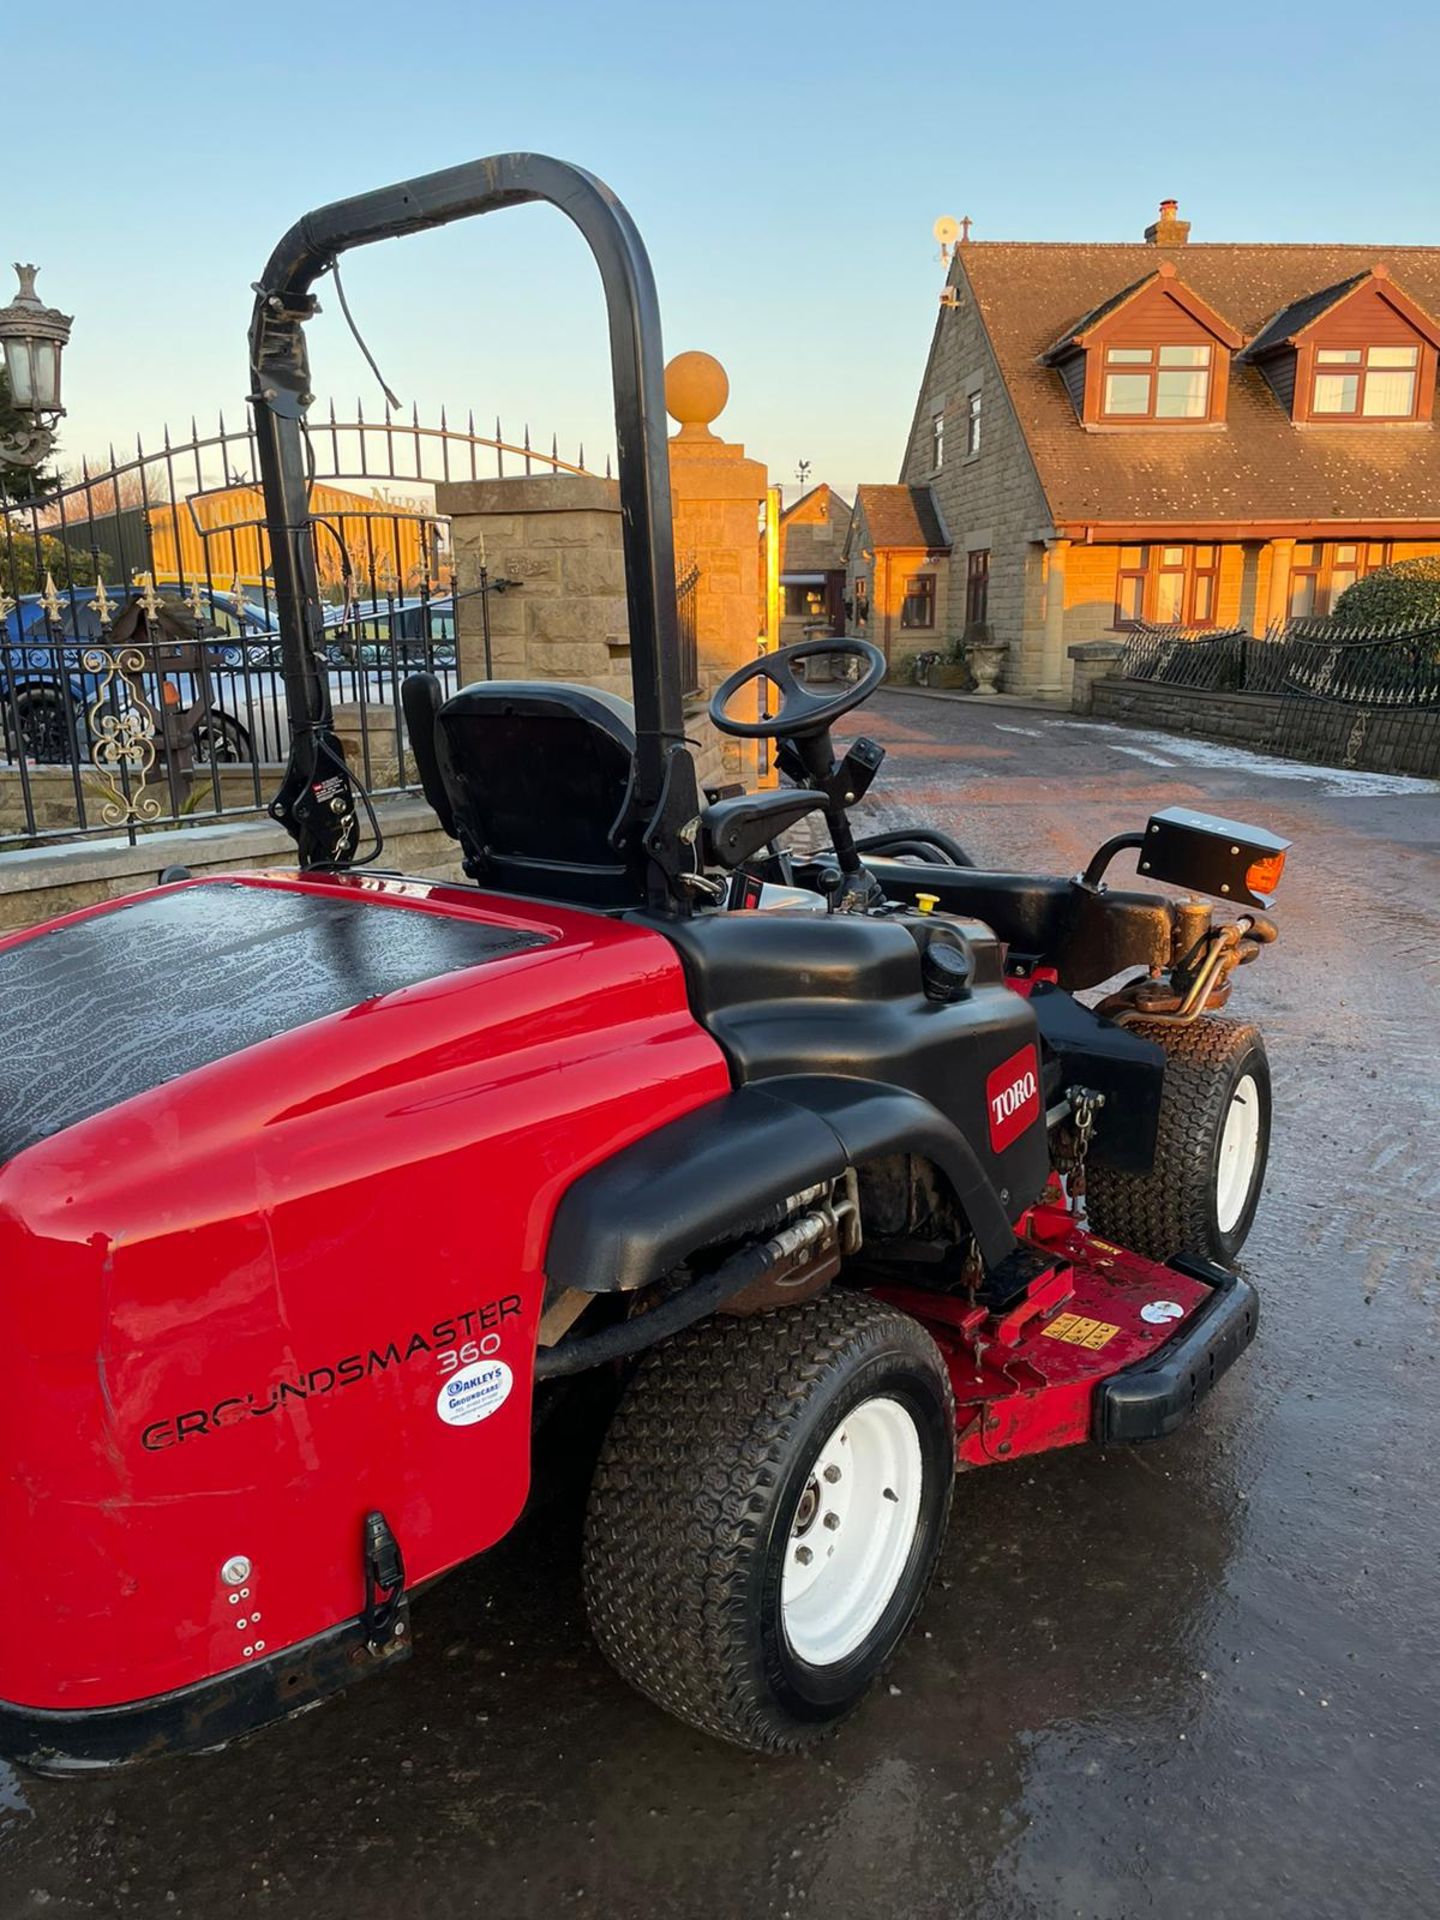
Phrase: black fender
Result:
[631,1220]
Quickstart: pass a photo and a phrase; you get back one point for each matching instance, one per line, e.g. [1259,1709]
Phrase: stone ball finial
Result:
[696,389]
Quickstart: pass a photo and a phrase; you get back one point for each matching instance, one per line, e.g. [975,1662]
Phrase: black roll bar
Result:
[315,801]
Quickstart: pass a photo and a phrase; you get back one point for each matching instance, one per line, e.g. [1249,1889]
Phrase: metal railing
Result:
[1366,695]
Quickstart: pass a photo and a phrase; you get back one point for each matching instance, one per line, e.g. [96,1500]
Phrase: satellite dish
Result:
[946,230]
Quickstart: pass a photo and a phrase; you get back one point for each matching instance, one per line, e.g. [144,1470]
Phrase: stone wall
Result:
[41,882]
[1392,742]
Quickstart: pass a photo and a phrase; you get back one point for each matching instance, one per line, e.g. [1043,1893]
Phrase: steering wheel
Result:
[802,714]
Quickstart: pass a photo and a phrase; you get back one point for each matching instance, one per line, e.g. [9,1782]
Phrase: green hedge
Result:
[1407,594]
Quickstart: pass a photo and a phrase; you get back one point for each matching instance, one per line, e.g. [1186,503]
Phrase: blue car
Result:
[47,691]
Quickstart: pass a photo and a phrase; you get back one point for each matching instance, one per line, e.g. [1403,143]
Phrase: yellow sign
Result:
[1077,1331]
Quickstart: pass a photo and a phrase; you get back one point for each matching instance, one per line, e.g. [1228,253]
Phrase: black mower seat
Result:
[533,778]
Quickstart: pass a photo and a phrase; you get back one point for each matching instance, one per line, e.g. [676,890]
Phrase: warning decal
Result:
[1076,1331]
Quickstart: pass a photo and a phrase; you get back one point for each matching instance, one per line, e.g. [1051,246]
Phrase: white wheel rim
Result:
[852,1532]
[1239,1151]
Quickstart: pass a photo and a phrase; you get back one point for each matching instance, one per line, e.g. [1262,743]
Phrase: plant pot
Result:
[985,664]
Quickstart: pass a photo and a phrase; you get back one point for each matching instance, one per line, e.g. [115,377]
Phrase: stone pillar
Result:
[1052,665]
[717,496]
[557,538]
[1277,601]
[1249,613]
[1094,660]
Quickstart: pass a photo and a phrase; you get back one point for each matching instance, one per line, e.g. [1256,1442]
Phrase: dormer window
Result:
[1153,355]
[1378,383]
[1360,351]
[1157,383]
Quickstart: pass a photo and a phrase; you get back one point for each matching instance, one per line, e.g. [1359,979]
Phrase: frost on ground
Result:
[1170,750]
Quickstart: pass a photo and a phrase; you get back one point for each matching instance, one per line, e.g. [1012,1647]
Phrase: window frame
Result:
[1153,568]
[937,441]
[1116,359]
[977,587]
[1361,369]
[974,407]
[1323,569]
[926,596]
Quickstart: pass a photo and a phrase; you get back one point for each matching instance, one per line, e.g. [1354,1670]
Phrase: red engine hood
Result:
[229,1296]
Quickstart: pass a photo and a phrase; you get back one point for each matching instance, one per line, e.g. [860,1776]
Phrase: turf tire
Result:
[1174,1208]
[699,1482]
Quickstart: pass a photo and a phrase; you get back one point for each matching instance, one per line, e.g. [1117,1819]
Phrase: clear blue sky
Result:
[784,163]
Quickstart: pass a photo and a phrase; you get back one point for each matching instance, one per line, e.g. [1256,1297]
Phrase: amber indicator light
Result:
[1263,876]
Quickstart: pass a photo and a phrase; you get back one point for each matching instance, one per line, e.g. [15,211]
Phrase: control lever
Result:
[735,830]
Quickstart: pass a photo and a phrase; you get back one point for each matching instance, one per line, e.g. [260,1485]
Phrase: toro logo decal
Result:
[1012,1098]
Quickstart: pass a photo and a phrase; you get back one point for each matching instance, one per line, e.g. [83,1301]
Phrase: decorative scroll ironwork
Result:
[122,736]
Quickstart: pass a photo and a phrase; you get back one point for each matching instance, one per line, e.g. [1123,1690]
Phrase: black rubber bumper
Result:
[1147,1401]
[196,1718]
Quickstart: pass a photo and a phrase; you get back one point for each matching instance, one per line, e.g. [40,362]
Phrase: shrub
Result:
[1407,594]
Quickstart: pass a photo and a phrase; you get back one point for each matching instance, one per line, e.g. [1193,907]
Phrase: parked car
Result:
[236,702]
[47,690]
[412,633]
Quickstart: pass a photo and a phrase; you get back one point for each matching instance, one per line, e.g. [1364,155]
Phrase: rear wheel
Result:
[219,739]
[44,729]
[1212,1148]
[767,1512]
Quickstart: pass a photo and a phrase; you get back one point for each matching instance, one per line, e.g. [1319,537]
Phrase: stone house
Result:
[812,564]
[1206,435]
[897,580]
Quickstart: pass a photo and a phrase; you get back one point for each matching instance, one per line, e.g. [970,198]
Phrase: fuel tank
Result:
[278,1158]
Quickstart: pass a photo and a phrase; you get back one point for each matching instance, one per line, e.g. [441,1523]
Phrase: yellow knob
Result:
[927,902]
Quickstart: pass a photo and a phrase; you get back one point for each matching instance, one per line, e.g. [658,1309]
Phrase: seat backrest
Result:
[538,774]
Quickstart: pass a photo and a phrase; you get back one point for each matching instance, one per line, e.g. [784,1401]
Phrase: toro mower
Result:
[320,1190]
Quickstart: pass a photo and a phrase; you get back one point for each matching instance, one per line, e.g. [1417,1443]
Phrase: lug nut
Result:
[832,1521]
[832,1473]
[804,1556]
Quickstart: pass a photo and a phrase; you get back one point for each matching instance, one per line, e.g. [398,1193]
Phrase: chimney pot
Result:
[1169,230]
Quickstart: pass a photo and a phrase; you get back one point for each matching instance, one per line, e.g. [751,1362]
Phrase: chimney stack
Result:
[1169,230]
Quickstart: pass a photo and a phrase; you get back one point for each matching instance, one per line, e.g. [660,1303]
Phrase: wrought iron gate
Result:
[140,680]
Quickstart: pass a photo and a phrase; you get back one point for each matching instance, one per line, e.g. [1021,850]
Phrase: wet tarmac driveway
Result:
[1200,1678]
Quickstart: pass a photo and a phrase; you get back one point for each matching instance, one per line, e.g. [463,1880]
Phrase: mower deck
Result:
[1105,1346]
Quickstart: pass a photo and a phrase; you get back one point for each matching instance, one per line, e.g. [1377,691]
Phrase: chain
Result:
[1085,1103]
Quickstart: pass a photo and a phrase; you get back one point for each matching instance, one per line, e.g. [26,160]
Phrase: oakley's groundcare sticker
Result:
[1157,1312]
[1076,1331]
[473,1395]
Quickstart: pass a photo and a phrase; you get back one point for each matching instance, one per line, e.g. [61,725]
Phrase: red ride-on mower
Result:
[319,1190]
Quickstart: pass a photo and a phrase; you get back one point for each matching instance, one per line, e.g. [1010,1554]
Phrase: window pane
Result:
[1132,559]
[1127,393]
[1204,556]
[1377,554]
[1390,395]
[1128,356]
[1345,555]
[1169,598]
[1172,556]
[1184,356]
[1336,392]
[1305,556]
[1340,579]
[1181,396]
[1204,599]
[1339,356]
[1302,595]
[1393,356]
[1129,597]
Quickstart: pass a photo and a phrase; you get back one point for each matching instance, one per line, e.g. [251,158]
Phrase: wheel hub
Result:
[854,1524]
